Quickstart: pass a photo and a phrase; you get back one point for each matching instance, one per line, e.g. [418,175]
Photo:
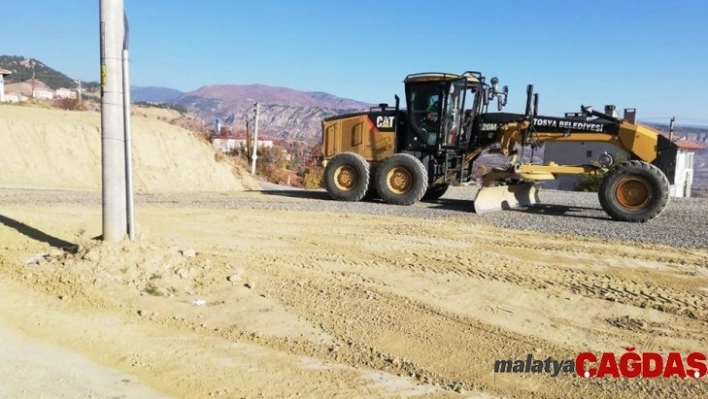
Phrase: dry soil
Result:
[240,303]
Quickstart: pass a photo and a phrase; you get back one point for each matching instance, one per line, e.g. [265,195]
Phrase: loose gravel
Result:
[683,224]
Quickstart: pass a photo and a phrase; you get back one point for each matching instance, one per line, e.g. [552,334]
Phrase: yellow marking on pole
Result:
[104,75]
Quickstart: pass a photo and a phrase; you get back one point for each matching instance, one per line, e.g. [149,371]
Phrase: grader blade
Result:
[513,196]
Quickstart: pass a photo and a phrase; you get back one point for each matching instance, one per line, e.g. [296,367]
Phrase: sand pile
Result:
[49,148]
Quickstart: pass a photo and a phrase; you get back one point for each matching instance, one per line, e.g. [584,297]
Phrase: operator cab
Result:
[441,108]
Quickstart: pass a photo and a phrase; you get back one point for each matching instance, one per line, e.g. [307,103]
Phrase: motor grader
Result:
[403,156]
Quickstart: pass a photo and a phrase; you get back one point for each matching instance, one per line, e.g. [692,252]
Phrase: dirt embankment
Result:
[49,148]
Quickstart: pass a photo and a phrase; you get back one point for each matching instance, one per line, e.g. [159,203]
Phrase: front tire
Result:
[634,191]
[346,177]
[401,179]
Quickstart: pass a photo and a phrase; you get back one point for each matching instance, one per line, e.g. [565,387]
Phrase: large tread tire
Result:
[435,193]
[357,169]
[410,170]
[648,179]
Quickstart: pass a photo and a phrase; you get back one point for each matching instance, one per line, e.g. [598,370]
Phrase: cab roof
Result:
[437,76]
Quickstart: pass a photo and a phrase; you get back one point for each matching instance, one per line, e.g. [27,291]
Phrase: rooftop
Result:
[5,72]
[680,142]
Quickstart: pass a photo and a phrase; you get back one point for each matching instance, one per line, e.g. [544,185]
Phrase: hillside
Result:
[284,113]
[24,69]
[51,148]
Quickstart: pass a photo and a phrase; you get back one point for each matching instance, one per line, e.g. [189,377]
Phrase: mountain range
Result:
[284,113]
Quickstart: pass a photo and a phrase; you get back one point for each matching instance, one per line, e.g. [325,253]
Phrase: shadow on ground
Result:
[303,194]
[39,235]
[562,210]
[455,205]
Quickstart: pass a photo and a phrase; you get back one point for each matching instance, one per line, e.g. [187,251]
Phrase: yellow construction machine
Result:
[403,156]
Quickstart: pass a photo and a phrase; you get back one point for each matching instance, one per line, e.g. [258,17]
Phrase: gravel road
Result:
[683,224]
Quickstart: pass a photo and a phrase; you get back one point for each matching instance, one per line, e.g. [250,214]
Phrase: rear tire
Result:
[346,177]
[401,179]
[634,191]
[434,193]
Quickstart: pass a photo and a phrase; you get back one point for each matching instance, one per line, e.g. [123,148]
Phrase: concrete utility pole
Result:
[32,65]
[671,129]
[112,124]
[130,214]
[248,139]
[255,143]
[78,90]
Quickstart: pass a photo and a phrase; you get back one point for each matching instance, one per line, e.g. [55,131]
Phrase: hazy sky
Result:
[652,55]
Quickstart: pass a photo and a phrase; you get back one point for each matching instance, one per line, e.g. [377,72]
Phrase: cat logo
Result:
[385,121]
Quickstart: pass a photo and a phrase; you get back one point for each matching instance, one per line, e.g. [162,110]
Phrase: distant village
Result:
[40,94]
[24,91]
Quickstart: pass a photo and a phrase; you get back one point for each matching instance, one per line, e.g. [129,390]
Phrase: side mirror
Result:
[494,82]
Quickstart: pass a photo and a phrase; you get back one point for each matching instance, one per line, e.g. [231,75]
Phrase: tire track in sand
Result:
[378,329]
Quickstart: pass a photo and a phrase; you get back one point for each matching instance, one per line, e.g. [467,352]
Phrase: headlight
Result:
[605,160]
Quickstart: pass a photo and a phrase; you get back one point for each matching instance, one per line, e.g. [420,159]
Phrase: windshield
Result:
[424,109]
[459,109]
[430,111]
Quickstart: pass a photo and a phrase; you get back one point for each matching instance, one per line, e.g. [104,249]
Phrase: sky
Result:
[651,55]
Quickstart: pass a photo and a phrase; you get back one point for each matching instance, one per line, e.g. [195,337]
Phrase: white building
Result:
[588,153]
[3,73]
[40,94]
[227,145]
[14,98]
[65,93]
[683,180]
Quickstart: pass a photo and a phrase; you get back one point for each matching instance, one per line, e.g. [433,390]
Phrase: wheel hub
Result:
[345,178]
[633,193]
[399,180]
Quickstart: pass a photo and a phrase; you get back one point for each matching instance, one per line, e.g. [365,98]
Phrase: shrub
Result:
[312,179]
[591,183]
[271,163]
[69,104]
